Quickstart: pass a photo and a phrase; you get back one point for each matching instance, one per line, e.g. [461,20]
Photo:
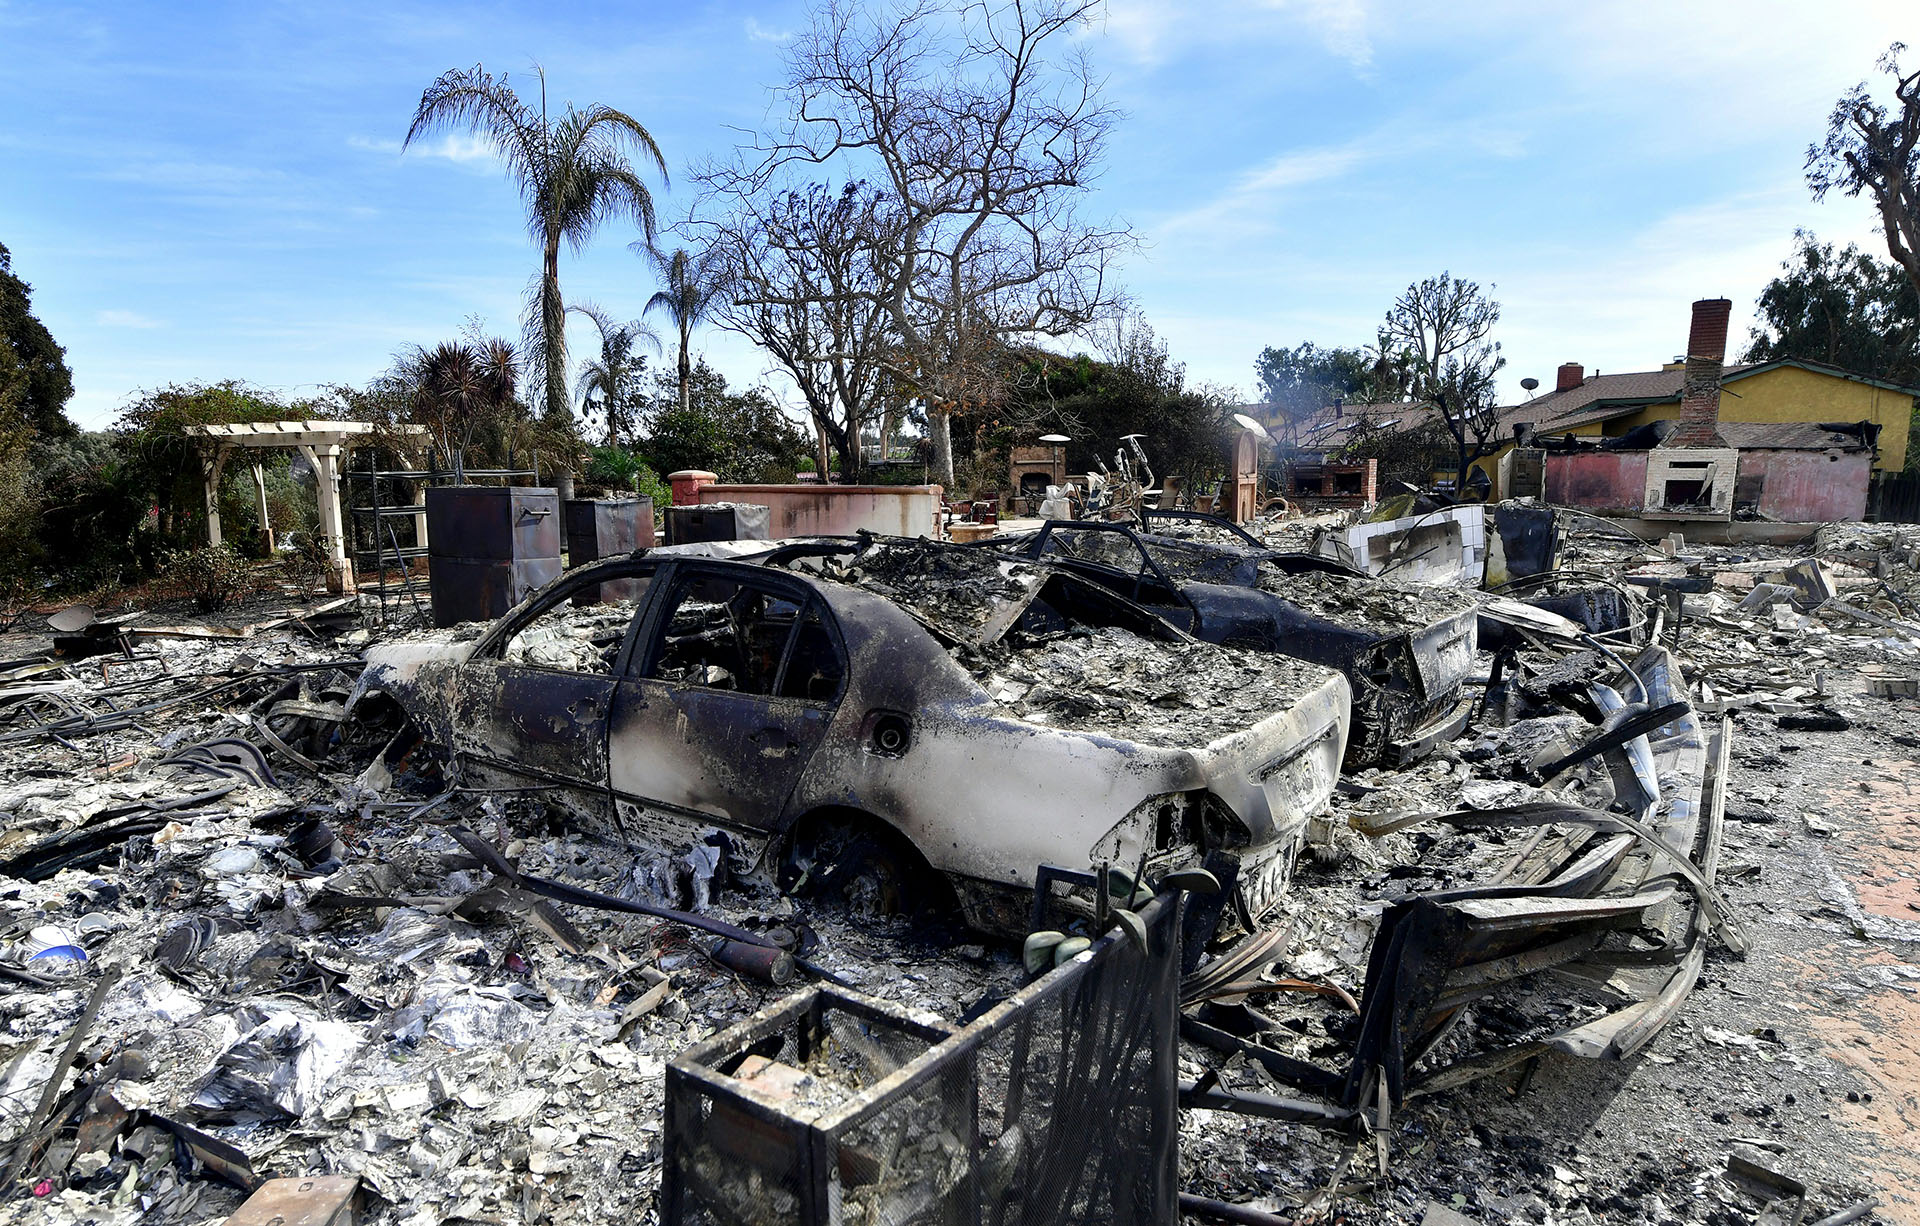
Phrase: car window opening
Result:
[575,639]
[1065,606]
[722,634]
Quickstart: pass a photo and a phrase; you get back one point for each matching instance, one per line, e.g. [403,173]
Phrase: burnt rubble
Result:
[1110,681]
[232,952]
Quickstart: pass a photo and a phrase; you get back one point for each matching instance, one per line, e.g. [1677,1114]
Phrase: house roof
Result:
[1325,431]
[1604,397]
[1788,436]
[1601,397]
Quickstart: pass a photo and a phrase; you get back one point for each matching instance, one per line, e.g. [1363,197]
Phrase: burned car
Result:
[999,716]
[1405,650]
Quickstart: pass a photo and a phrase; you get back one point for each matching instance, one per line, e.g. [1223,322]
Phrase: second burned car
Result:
[925,706]
[1406,649]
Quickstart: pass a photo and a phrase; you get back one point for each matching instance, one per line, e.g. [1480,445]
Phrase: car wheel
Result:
[861,866]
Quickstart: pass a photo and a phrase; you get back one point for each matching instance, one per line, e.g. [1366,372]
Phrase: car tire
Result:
[861,865]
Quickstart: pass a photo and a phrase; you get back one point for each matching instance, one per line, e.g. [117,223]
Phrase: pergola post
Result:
[266,520]
[419,461]
[210,470]
[324,444]
[325,458]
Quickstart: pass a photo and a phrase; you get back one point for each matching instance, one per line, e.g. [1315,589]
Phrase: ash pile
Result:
[257,920]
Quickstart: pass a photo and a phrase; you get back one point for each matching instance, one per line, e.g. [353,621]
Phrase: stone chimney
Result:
[1571,373]
[1700,388]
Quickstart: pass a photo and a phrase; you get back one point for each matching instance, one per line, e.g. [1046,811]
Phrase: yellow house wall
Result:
[1489,465]
[1789,393]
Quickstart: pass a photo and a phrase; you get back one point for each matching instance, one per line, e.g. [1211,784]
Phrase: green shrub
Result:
[212,576]
[619,468]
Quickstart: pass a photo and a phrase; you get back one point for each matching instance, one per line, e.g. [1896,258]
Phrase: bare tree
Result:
[985,124]
[1436,334]
[1869,149]
[805,280]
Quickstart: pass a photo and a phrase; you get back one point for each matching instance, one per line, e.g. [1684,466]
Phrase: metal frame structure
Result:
[325,445]
[1045,1139]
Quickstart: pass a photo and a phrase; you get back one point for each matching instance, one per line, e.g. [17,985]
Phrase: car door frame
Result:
[1096,571]
[643,652]
[487,655]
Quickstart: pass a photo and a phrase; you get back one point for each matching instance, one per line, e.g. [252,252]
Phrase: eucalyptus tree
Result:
[611,383]
[1439,333]
[691,291]
[984,121]
[1874,149]
[803,273]
[575,175]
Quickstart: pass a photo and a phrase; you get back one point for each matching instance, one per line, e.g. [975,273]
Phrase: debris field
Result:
[1638,945]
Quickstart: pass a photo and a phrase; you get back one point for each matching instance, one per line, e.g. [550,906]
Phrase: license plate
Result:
[1262,882]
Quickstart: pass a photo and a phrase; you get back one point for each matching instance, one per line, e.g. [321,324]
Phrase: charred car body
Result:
[959,727]
[1405,651]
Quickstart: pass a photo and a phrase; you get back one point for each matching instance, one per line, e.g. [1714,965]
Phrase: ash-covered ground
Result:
[382,1005]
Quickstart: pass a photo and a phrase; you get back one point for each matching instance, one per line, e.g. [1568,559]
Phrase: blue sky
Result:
[208,191]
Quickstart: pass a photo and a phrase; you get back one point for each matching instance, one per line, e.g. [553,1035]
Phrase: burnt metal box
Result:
[607,528]
[488,548]
[479,590]
[502,522]
[718,521]
[1058,1107]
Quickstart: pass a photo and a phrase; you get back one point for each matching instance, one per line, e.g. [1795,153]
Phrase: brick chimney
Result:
[1571,373]
[1700,388]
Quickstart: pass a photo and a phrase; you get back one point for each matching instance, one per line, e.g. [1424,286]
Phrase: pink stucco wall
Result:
[838,510]
[1809,487]
[1605,482]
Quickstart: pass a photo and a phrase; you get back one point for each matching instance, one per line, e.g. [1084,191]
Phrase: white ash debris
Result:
[579,639]
[451,1049]
[1380,605]
[1112,682]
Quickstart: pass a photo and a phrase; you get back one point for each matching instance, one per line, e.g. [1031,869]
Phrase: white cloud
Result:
[1258,188]
[1341,25]
[762,34]
[1627,308]
[453,147]
[1153,31]
[124,319]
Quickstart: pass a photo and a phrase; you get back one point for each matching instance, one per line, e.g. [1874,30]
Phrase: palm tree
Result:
[610,383]
[693,290]
[573,174]
[457,386]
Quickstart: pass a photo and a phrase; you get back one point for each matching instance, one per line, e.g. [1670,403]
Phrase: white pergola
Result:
[324,444]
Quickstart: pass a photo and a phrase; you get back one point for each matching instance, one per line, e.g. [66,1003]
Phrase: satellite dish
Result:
[71,620]
[1055,439]
[1529,383]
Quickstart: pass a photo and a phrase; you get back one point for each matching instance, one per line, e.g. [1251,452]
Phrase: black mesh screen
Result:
[1059,1106]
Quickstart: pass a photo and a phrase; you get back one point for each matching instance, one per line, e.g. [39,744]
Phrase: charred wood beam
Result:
[1285,1068]
[560,891]
[1266,1106]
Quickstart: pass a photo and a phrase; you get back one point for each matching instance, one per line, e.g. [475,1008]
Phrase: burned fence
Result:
[1057,1106]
